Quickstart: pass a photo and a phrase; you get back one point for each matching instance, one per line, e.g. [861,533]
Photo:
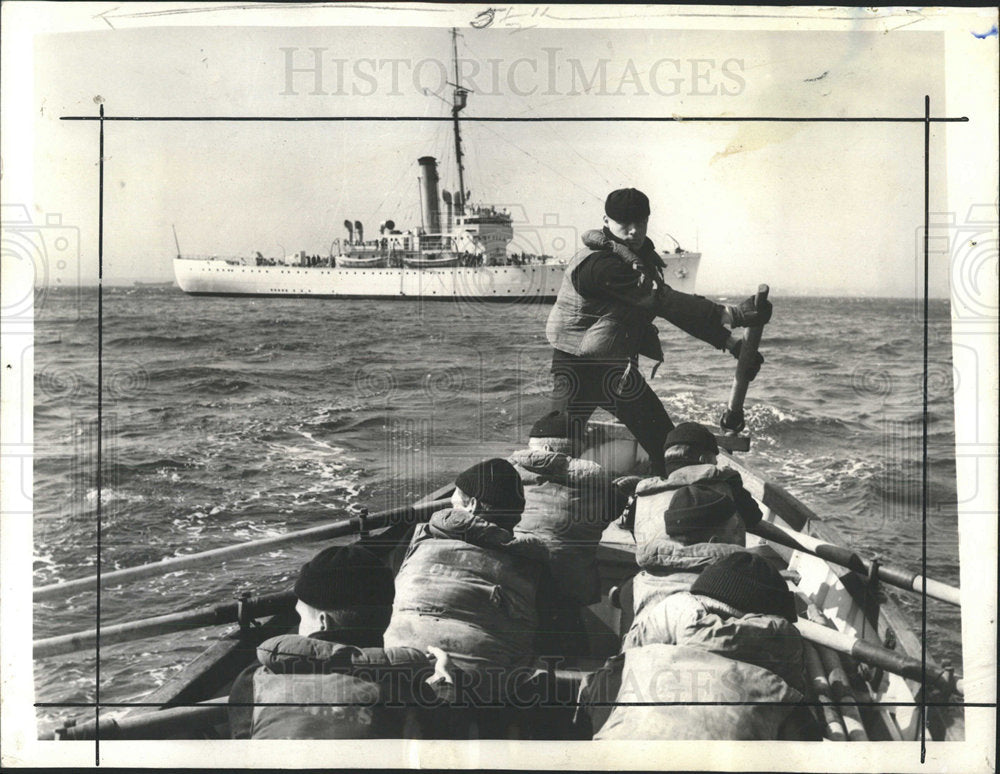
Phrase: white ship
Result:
[460,251]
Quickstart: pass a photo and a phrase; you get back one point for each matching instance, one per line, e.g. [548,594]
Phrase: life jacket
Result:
[308,688]
[701,652]
[653,498]
[667,565]
[599,328]
[468,587]
[677,569]
[568,504]
[769,641]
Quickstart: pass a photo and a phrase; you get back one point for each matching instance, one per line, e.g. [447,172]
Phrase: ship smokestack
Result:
[360,231]
[350,232]
[429,183]
[446,195]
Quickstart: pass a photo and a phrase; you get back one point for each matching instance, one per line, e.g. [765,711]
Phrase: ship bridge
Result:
[485,230]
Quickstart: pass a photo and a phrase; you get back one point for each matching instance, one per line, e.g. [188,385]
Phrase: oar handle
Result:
[870,653]
[256,607]
[251,548]
[159,724]
[732,418]
[894,576]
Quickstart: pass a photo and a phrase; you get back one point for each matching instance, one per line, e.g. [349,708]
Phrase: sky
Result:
[820,208]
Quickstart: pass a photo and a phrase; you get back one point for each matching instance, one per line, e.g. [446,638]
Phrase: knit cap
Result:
[495,483]
[555,424]
[627,205]
[692,434]
[345,576]
[694,508]
[747,582]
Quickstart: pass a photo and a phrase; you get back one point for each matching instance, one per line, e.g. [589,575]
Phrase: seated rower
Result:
[470,587]
[683,522]
[568,504]
[347,685]
[723,661]
[691,456]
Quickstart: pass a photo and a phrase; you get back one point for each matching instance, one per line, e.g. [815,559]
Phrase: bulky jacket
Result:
[468,587]
[698,651]
[313,688]
[568,504]
[602,328]
[667,565]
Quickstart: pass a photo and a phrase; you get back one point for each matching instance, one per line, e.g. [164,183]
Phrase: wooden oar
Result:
[894,576]
[840,689]
[251,548]
[158,724]
[732,418]
[840,684]
[889,660]
[832,722]
[253,608]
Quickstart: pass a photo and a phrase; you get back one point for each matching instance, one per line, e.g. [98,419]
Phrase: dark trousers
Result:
[582,385]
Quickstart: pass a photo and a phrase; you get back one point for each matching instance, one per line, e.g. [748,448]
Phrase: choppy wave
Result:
[158,340]
[255,418]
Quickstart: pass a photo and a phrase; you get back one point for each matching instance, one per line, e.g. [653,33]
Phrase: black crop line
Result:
[923,437]
[100,435]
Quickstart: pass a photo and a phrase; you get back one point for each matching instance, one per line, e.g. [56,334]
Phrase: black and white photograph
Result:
[453,386]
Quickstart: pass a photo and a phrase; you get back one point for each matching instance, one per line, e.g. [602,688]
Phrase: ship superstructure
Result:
[459,251]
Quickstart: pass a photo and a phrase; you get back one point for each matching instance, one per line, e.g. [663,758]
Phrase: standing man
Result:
[611,292]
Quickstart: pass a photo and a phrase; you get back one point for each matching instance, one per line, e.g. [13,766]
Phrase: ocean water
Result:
[229,419]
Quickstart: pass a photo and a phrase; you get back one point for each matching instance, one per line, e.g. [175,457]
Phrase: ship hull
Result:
[538,282]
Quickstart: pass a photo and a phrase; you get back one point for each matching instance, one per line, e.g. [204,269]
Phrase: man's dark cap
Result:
[694,435]
[343,577]
[694,508]
[555,424]
[495,483]
[627,205]
[747,582]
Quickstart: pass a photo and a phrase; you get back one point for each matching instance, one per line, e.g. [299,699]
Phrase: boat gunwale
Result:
[779,505]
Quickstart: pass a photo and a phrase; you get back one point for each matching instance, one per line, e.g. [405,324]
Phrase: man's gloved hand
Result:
[758,359]
[627,484]
[747,314]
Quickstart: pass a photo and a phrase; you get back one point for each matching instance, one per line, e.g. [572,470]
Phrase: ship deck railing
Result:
[227,258]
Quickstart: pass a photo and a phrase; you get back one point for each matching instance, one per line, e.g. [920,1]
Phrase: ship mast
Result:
[457,105]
